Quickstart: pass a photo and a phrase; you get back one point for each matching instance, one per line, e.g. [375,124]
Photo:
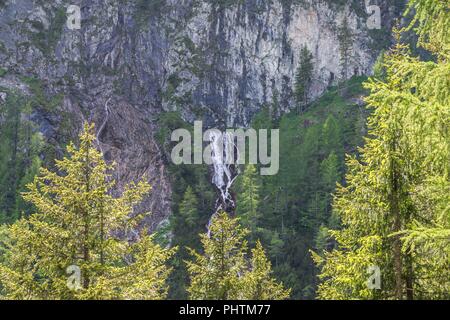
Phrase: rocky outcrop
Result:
[216,61]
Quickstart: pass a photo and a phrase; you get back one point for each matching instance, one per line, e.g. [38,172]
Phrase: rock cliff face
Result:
[216,61]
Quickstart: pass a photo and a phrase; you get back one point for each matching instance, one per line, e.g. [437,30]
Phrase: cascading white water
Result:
[224,156]
[102,127]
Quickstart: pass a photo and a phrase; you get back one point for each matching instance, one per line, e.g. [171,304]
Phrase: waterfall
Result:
[224,156]
[102,127]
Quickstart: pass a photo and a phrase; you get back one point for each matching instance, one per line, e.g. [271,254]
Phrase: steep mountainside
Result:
[216,61]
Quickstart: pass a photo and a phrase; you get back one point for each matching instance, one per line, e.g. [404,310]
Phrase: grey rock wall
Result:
[216,61]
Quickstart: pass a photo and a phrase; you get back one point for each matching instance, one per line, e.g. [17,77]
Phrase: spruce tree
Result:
[259,284]
[78,226]
[215,274]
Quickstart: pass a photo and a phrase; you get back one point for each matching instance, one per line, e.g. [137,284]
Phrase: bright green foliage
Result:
[322,238]
[330,171]
[303,77]
[379,71]
[222,271]
[394,207]
[296,203]
[259,284]
[434,34]
[78,223]
[216,274]
[4,240]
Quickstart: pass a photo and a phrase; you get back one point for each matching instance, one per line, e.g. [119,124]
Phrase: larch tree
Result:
[215,274]
[259,284]
[394,206]
[76,244]
[223,271]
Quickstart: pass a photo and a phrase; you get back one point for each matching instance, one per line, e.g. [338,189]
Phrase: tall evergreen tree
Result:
[259,284]
[215,274]
[303,78]
[186,225]
[329,176]
[222,272]
[345,37]
[78,225]
[393,209]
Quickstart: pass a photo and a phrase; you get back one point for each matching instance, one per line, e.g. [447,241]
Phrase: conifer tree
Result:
[379,71]
[186,223]
[329,175]
[215,274]
[75,245]
[303,78]
[259,284]
[189,208]
[248,200]
[394,208]
[345,37]
[332,135]
[329,172]
[222,272]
